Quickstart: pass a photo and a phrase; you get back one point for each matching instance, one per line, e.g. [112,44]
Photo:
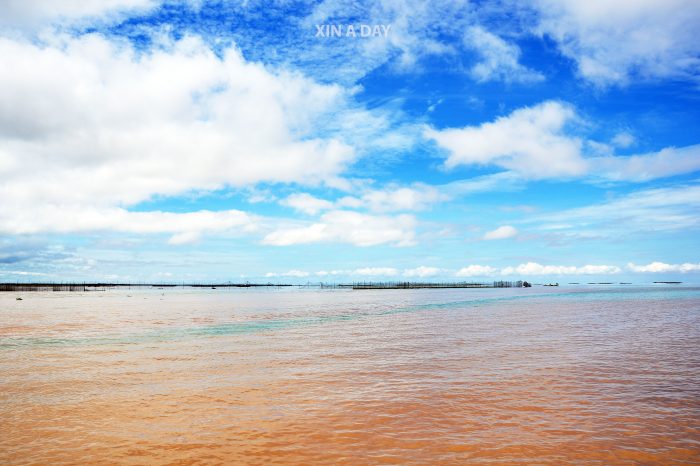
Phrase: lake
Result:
[568,375]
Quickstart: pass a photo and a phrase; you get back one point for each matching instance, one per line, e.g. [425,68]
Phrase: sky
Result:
[336,141]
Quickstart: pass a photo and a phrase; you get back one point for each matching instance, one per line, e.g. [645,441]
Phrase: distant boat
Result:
[551,284]
[18,299]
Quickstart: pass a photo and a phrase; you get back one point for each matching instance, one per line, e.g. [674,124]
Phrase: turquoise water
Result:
[367,308]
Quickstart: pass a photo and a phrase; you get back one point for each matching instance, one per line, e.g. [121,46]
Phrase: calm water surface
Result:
[496,376]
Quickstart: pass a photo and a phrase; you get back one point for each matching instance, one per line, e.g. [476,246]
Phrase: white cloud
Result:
[185,227]
[306,203]
[349,227]
[666,162]
[421,272]
[615,42]
[530,141]
[390,199]
[502,232]
[23,14]
[476,270]
[533,268]
[535,143]
[499,59]
[114,128]
[255,195]
[658,267]
[393,198]
[126,127]
[659,209]
[598,269]
[302,235]
[623,139]
[325,273]
[187,237]
[416,197]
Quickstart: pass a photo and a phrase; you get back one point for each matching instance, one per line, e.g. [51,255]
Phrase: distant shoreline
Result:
[103,286]
[354,285]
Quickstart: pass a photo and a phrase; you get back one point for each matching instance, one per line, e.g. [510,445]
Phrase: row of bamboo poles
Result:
[354,286]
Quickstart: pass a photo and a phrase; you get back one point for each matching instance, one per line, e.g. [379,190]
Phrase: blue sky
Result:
[146,140]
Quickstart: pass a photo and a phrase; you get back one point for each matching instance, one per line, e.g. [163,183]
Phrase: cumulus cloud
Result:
[397,198]
[615,42]
[658,267]
[502,232]
[533,268]
[349,227]
[538,142]
[499,60]
[117,127]
[476,270]
[421,272]
[530,141]
[114,127]
[306,203]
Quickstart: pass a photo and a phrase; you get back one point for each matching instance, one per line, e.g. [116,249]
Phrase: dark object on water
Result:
[18,299]
[669,283]
[551,284]
[526,285]
[213,287]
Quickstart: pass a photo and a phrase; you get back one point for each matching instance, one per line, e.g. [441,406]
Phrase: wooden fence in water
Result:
[354,286]
[416,285]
